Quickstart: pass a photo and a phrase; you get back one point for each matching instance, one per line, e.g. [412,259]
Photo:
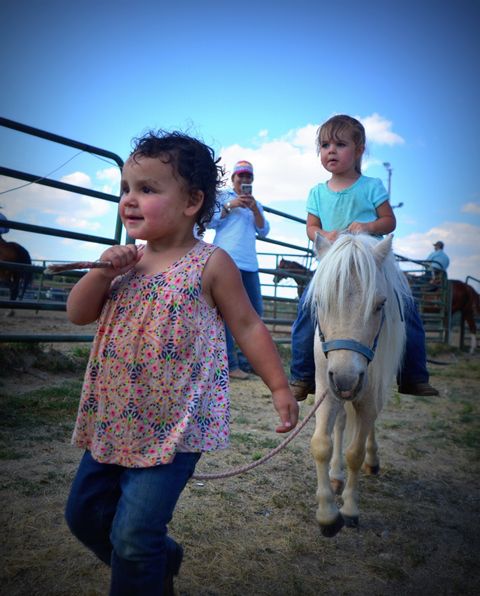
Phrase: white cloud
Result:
[110,178]
[112,174]
[471,208]
[378,130]
[287,167]
[67,222]
[78,179]
[462,245]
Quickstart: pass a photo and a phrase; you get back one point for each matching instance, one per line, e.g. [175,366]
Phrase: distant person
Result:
[155,393]
[237,222]
[3,228]
[353,203]
[440,260]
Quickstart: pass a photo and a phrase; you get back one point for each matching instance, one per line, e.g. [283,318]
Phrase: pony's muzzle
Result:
[346,386]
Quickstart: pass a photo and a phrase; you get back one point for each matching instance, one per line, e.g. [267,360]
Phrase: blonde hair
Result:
[332,129]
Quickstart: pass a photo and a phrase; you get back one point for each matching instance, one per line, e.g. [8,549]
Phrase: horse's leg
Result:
[469,316]
[327,514]
[337,474]
[14,285]
[372,461]
[354,457]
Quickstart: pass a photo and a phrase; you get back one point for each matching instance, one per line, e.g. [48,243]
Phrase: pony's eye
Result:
[380,305]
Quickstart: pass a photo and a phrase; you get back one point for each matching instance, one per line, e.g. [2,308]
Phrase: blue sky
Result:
[253,80]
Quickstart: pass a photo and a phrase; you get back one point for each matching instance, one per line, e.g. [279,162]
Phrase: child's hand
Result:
[287,408]
[330,236]
[358,228]
[123,258]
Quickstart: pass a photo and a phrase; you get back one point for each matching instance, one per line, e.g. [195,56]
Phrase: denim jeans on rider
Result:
[251,282]
[121,514]
[414,365]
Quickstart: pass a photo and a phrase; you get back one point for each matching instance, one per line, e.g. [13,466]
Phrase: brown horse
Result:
[300,274]
[17,281]
[464,300]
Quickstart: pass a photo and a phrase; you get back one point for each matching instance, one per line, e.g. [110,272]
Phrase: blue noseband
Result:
[351,344]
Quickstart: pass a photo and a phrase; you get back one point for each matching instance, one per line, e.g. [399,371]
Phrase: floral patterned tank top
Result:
[157,378]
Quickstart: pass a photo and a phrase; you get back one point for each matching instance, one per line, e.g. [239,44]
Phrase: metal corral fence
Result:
[433,296]
[50,292]
[280,299]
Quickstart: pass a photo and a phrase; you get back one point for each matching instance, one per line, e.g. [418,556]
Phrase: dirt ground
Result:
[255,533]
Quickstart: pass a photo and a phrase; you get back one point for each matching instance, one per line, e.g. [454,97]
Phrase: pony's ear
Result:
[383,248]
[320,245]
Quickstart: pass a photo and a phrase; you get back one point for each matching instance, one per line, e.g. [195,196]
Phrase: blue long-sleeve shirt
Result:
[440,259]
[236,232]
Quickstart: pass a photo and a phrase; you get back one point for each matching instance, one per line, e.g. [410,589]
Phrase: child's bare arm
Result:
[224,284]
[88,295]
[384,224]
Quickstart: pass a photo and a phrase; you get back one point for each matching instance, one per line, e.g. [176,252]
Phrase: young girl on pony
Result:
[354,203]
[155,394]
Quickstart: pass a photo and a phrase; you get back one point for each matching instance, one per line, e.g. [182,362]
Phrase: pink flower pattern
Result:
[157,377]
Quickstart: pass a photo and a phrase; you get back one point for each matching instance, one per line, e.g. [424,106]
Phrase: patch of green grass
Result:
[414,453]
[241,438]
[438,425]
[43,406]
[13,355]
[81,352]
[16,356]
[267,443]
[435,350]
[464,369]
[7,452]
[242,420]
[391,425]
[468,438]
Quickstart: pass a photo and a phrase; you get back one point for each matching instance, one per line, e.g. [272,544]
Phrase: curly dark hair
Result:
[192,160]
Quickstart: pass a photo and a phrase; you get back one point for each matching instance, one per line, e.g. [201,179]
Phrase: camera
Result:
[246,189]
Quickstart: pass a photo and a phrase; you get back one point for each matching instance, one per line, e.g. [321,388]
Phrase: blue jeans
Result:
[251,282]
[414,365]
[121,514]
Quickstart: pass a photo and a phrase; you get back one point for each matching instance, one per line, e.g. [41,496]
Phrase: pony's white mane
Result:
[350,265]
[351,260]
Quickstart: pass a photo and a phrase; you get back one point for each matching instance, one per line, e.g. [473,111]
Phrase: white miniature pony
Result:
[357,294]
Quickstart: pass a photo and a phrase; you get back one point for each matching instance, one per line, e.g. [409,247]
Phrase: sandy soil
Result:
[256,533]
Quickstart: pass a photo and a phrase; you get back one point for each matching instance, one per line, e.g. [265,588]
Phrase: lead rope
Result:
[266,457]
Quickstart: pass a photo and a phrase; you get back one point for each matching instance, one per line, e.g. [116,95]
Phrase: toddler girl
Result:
[155,394]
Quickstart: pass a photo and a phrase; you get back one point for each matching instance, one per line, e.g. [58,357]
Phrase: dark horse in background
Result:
[464,300]
[300,274]
[16,281]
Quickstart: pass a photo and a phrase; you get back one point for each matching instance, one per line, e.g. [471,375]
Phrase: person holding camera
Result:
[237,222]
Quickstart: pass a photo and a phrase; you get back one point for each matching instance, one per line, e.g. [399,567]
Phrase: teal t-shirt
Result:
[337,210]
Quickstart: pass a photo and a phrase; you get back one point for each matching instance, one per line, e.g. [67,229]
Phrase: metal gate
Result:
[35,229]
[432,293]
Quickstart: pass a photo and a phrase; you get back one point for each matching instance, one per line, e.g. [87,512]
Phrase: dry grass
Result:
[256,533]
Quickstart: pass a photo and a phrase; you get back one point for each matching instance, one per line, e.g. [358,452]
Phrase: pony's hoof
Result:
[371,470]
[332,529]
[351,521]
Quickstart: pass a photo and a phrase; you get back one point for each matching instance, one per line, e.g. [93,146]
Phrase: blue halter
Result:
[351,344]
